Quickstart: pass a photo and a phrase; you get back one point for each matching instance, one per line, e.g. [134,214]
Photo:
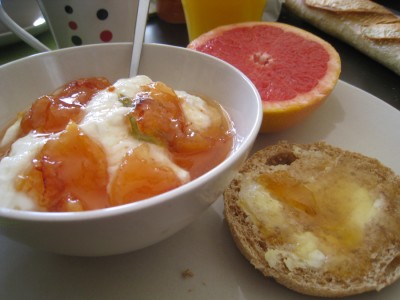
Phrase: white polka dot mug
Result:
[81,22]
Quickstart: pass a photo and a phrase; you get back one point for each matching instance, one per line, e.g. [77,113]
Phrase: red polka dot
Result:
[106,36]
[72,25]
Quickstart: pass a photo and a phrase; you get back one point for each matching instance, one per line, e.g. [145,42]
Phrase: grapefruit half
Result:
[293,70]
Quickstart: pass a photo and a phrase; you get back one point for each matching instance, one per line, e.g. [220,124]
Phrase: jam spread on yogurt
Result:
[71,171]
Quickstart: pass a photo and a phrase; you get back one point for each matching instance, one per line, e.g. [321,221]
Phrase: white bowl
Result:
[132,226]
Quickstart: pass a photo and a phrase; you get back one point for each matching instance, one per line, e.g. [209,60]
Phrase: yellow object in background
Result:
[204,15]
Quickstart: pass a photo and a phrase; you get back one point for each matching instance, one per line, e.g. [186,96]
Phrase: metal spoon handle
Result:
[140,28]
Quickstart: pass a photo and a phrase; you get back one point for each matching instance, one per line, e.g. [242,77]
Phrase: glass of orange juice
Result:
[204,15]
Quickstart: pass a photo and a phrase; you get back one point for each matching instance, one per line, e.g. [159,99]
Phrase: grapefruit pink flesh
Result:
[292,69]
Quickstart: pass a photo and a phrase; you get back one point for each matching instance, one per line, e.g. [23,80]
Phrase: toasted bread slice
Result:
[320,220]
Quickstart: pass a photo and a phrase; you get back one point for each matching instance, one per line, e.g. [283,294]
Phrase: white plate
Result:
[350,118]
[25,13]
[9,38]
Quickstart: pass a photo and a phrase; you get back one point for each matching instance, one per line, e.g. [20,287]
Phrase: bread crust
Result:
[364,24]
[385,263]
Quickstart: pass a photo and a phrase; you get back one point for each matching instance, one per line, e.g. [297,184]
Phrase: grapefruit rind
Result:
[284,114]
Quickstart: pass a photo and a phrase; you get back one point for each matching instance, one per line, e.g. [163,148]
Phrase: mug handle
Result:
[20,32]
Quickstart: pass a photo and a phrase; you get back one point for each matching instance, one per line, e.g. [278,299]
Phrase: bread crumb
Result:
[187,274]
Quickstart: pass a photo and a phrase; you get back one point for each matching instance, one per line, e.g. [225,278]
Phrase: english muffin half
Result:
[318,219]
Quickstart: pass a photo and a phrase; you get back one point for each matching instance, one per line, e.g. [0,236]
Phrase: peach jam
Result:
[92,145]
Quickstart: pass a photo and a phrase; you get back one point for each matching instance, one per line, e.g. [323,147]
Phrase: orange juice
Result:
[204,15]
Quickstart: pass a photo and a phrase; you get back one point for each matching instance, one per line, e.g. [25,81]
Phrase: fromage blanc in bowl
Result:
[92,145]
